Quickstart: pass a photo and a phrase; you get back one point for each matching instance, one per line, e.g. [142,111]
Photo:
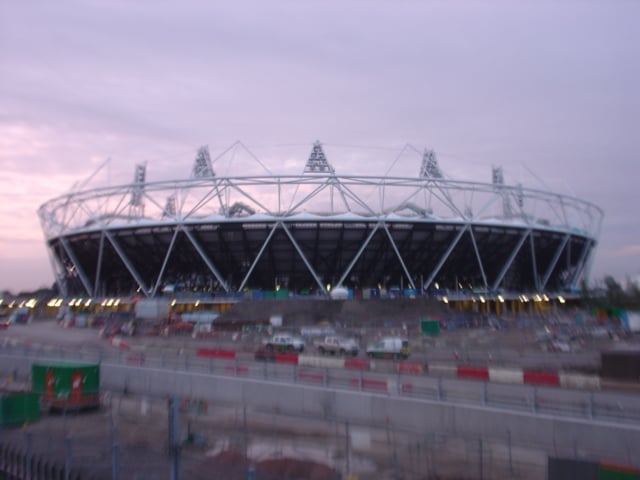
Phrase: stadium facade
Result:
[318,230]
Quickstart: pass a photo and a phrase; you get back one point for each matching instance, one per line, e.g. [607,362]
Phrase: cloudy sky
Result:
[548,90]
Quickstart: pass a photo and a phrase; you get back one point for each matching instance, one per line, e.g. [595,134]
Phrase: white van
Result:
[389,347]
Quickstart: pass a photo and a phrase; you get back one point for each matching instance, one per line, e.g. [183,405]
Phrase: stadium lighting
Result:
[561,299]
[286,226]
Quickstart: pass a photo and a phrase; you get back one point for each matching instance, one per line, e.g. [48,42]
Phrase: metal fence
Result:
[131,438]
[611,406]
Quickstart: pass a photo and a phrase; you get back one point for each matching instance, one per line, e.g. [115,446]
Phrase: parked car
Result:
[285,342]
[389,347]
[336,345]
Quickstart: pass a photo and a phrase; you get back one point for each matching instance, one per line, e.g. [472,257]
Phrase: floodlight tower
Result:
[497,178]
[202,166]
[318,163]
[136,203]
[170,207]
[430,168]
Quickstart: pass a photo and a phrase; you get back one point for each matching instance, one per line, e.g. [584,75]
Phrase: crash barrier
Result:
[320,362]
[475,373]
[17,463]
[608,406]
[469,372]
[532,377]
[215,353]
[118,342]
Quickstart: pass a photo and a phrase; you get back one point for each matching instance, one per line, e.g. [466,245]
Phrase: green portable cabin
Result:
[67,385]
[430,327]
[18,408]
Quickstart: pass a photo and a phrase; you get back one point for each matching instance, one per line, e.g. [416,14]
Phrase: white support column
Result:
[510,260]
[534,265]
[444,257]
[475,248]
[304,259]
[554,262]
[206,259]
[358,255]
[127,263]
[395,249]
[96,284]
[58,271]
[257,259]
[581,263]
[165,261]
[83,278]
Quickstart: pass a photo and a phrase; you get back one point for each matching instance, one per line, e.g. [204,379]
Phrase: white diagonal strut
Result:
[444,257]
[536,280]
[58,271]
[134,273]
[304,259]
[83,278]
[581,263]
[475,248]
[164,263]
[205,258]
[257,259]
[357,256]
[96,284]
[554,262]
[395,249]
[507,265]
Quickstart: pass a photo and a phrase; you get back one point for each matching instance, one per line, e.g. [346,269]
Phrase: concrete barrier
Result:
[534,377]
[574,380]
[506,375]
[118,342]
[410,367]
[442,369]
[215,353]
[320,362]
[473,372]
[356,363]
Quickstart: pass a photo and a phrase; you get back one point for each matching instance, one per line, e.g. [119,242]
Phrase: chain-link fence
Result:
[130,437]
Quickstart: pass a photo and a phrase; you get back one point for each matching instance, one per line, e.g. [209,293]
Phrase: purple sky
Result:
[538,87]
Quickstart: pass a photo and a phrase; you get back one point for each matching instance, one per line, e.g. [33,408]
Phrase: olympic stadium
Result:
[312,232]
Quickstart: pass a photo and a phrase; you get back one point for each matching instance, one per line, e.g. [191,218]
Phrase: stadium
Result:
[315,232]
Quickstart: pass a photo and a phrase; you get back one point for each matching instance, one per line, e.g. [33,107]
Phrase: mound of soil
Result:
[229,465]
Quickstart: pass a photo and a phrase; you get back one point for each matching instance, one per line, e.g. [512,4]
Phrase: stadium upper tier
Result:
[317,230]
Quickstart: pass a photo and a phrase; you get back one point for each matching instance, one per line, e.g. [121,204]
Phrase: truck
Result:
[285,342]
[336,345]
[389,347]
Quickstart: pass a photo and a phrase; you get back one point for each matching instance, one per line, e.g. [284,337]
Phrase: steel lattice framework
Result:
[308,231]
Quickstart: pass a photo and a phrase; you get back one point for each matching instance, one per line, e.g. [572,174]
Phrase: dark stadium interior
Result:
[514,259]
